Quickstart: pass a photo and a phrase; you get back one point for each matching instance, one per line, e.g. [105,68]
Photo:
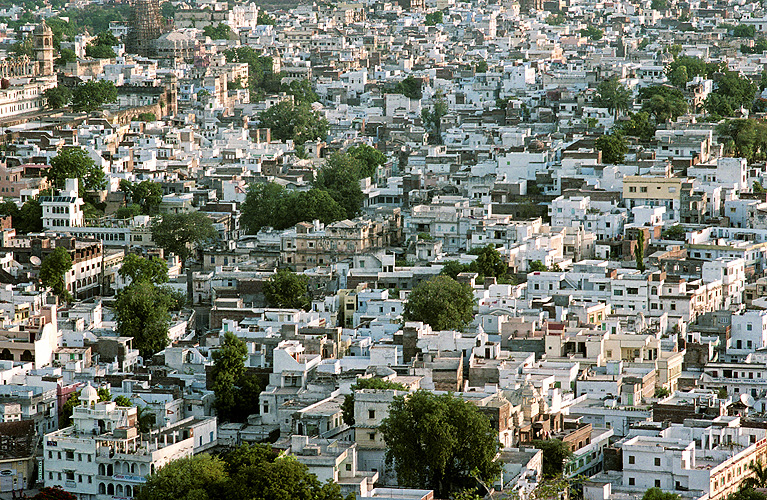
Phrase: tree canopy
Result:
[296,122]
[663,102]
[236,390]
[287,289]
[613,147]
[269,204]
[52,270]
[659,494]
[142,313]
[409,87]
[440,443]
[442,303]
[146,194]
[246,473]
[73,162]
[91,95]
[181,233]
[613,95]
[220,32]
[137,269]
[57,97]
[340,176]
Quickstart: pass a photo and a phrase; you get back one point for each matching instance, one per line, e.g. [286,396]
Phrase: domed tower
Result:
[44,49]
[89,396]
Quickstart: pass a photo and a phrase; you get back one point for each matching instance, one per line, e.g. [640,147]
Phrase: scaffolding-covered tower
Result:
[146,25]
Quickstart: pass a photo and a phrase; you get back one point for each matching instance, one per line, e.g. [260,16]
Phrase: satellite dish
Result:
[747,400]
[35,260]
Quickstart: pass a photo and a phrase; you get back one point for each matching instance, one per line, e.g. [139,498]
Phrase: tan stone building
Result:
[311,245]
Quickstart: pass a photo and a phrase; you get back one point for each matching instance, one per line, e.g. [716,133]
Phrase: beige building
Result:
[311,245]
[653,191]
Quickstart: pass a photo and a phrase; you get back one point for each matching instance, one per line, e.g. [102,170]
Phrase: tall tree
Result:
[369,157]
[758,476]
[55,265]
[236,389]
[439,442]
[142,313]
[489,262]
[287,289]
[264,206]
[663,102]
[613,95]
[182,233]
[72,163]
[340,178]
[441,302]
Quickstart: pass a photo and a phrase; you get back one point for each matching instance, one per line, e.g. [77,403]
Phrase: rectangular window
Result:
[657,461]
[632,459]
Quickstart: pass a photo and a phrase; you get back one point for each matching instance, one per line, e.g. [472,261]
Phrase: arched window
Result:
[102,488]
[111,489]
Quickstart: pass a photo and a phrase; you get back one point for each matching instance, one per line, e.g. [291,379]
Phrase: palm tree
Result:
[759,477]
[613,95]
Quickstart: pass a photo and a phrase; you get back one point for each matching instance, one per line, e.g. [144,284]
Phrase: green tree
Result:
[434,18]
[100,51]
[57,97]
[30,219]
[747,494]
[181,233]
[662,392]
[409,87]
[481,67]
[757,188]
[191,478]
[537,266]
[366,383]
[302,91]
[145,117]
[123,401]
[453,268]
[744,31]
[66,56]
[264,206]
[24,47]
[128,212]
[142,313]
[168,10]
[314,204]
[74,162]
[442,303]
[370,157]
[299,123]
[137,269]
[340,177]
[613,148]
[91,95]
[613,95]
[663,102]
[675,232]
[489,262]
[758,477]
[265,19]
[261,77]
[146,194]
[439,442]
[638,125]
[659,494]
[556,453]
[679,77]
[145,419]
[593,33]
[286,289]
[432,119]
[556,20]
[52,270]
[659,4]
[219,32]
[228,371]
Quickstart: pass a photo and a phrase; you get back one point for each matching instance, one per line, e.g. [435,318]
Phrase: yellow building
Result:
[653,191]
